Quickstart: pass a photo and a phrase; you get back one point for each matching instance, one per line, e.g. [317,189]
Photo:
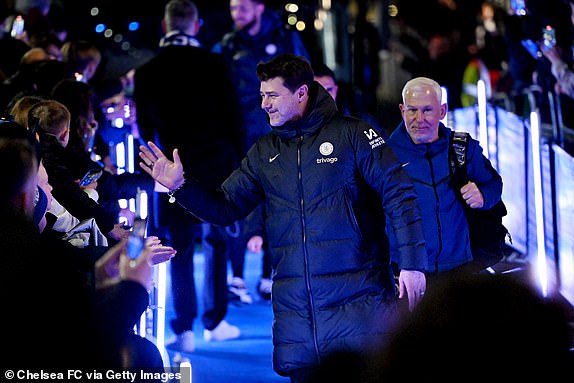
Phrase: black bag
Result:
[487,233]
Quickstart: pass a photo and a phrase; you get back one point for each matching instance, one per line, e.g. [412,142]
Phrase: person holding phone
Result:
[210,150]
[560,70]
[50,119]
[85,308]
[82,154]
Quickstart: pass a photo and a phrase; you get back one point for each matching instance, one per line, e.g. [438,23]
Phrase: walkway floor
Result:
[244,360]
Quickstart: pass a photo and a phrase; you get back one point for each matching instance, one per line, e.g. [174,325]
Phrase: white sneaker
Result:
[184,342]
[238,290]
[223,331]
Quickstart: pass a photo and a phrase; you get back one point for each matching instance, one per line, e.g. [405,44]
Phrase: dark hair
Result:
[77,96]
[322,70]
[13,130]
[180,14]
[79,54]
[18,148]
[17,157]
[294,70]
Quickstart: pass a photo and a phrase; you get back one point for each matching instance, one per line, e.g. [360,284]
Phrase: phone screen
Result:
[518,7]
[90,177]
[532,48]
[549,36]
[17,27]
[136,239]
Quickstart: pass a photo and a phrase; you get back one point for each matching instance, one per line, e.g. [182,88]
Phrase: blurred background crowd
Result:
[85,55]
[373,47]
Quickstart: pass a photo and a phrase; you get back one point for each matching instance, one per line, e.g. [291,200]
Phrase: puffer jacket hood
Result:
[320,110]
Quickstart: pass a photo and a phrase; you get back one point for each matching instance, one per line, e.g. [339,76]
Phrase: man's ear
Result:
[63,134]
[302,92]
[196,27]
[21,201]
[443,110]
[260,8]
[163,26]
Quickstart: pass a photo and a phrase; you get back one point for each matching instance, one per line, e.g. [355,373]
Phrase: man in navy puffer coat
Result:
[323,178]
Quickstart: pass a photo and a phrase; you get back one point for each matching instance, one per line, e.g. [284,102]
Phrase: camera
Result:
[136,239]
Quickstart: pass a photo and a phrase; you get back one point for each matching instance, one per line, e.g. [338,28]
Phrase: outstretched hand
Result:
[168,173]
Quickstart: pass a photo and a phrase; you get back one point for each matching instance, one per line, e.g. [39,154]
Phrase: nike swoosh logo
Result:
[271,159]
[405,164]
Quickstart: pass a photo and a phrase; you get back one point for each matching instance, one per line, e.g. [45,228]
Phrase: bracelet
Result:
[172,192]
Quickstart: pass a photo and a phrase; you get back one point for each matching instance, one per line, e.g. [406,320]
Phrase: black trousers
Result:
[181,230]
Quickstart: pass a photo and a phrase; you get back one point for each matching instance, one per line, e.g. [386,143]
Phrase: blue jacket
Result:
[445,226]
[323,180]
[242,53]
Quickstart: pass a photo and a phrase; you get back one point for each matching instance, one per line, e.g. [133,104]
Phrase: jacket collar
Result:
[401,138]
[178,38]
[320,110]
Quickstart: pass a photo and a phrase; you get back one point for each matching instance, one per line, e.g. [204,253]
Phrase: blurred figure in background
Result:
[203,125]
[326,77]
[82,58]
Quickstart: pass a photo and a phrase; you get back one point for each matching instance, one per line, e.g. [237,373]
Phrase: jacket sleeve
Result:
[481,172]
[239,195]
[382,170]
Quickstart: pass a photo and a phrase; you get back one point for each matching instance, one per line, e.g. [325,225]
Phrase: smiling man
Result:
[422,144]
[326,182]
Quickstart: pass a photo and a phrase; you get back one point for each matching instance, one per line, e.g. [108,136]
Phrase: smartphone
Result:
[91,176]
[518,7]
[17,27]
[532,48]
[136,239]
[549,37]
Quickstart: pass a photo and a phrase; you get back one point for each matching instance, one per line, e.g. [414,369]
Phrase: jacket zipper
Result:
[305,253]
[437,203]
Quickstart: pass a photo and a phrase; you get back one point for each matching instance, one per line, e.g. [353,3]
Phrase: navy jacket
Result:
[323,180]
[445,226]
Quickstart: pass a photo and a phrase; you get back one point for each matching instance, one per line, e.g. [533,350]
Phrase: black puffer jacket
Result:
[323,180]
